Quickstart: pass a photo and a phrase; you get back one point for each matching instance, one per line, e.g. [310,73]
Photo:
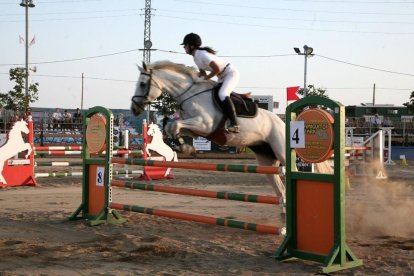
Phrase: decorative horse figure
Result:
[200,116]
[14,145]
[157,144]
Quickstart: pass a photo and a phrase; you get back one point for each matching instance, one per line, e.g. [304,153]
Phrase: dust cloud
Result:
[381,208]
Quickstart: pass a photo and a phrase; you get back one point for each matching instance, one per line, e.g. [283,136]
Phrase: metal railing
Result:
[402,132]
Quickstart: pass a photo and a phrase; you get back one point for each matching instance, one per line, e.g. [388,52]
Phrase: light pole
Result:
[27,4]
[307,51]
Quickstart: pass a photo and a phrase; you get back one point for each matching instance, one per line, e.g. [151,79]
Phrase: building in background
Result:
[265,102]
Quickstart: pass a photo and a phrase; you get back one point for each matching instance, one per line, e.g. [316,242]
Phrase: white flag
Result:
[33,41]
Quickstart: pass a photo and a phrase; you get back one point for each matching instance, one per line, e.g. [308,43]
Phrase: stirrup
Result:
[234,129]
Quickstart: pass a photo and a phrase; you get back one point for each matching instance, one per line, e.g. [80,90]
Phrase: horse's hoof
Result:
[186,149]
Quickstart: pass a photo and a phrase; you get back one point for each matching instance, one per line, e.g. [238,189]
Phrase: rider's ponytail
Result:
[208,49]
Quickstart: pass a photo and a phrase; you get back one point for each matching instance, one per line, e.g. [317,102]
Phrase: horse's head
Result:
[21,126]
[146,91]
[153,130]
[158,77]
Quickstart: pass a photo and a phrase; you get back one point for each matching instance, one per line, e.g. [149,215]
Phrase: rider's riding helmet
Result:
[192,39]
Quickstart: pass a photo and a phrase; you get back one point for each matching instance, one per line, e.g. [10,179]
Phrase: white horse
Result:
[14,145]
[200,116]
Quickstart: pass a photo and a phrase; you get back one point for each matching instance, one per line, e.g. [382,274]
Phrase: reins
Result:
[150,83]
[195,94]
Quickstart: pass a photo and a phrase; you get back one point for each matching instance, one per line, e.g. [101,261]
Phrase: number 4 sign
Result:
[297,134]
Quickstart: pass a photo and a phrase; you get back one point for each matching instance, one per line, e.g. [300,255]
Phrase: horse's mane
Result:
[180,68]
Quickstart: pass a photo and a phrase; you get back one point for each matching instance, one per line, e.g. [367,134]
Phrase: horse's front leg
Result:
[147,150]
[29,150]
[194,126]
[2,180]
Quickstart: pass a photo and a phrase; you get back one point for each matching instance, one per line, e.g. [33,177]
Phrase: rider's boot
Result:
[230,112]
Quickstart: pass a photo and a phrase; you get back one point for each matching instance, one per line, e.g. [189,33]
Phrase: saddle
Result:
[245,107]
[243,103]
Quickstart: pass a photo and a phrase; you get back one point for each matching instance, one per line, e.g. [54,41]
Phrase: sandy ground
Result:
[36,238]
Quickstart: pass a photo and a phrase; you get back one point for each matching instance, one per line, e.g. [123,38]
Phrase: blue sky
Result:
[357,43]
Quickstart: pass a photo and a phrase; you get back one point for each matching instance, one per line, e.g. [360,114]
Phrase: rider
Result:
[206,60]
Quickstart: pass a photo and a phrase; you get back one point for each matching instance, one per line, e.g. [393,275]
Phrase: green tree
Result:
[16,98]
[410,104]
[166,104]
[313,91]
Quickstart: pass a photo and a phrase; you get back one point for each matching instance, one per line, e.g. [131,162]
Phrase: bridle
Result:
[149,84]
[152,82]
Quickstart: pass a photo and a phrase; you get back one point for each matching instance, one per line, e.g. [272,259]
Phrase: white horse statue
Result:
[157,144]
[200,116]
[14,145]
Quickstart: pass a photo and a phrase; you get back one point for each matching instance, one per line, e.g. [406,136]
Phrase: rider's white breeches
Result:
[229,79]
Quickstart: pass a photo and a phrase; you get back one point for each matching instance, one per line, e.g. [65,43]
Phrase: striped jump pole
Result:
[357,148]
[74,147]
[43,148]
[63,174]
[202,193]
[57,174]
[58,152]
[127,172]
[56,164]
[197,218]
[202,166]
[115,152]
[77,152]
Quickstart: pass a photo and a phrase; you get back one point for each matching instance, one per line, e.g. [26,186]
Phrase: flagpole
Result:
[287,101]
[82,94]
[27,4]
[27,56]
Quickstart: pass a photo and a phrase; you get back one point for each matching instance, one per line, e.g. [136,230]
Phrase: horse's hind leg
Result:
[267,159]
[275,180]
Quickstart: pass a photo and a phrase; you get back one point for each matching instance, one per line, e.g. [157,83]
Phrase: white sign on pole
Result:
[201,143]
[100,172]
[297,134]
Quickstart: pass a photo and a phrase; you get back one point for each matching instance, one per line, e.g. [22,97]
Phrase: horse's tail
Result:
[324,167]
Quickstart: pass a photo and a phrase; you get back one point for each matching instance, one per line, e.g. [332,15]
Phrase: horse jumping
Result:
[200,116]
